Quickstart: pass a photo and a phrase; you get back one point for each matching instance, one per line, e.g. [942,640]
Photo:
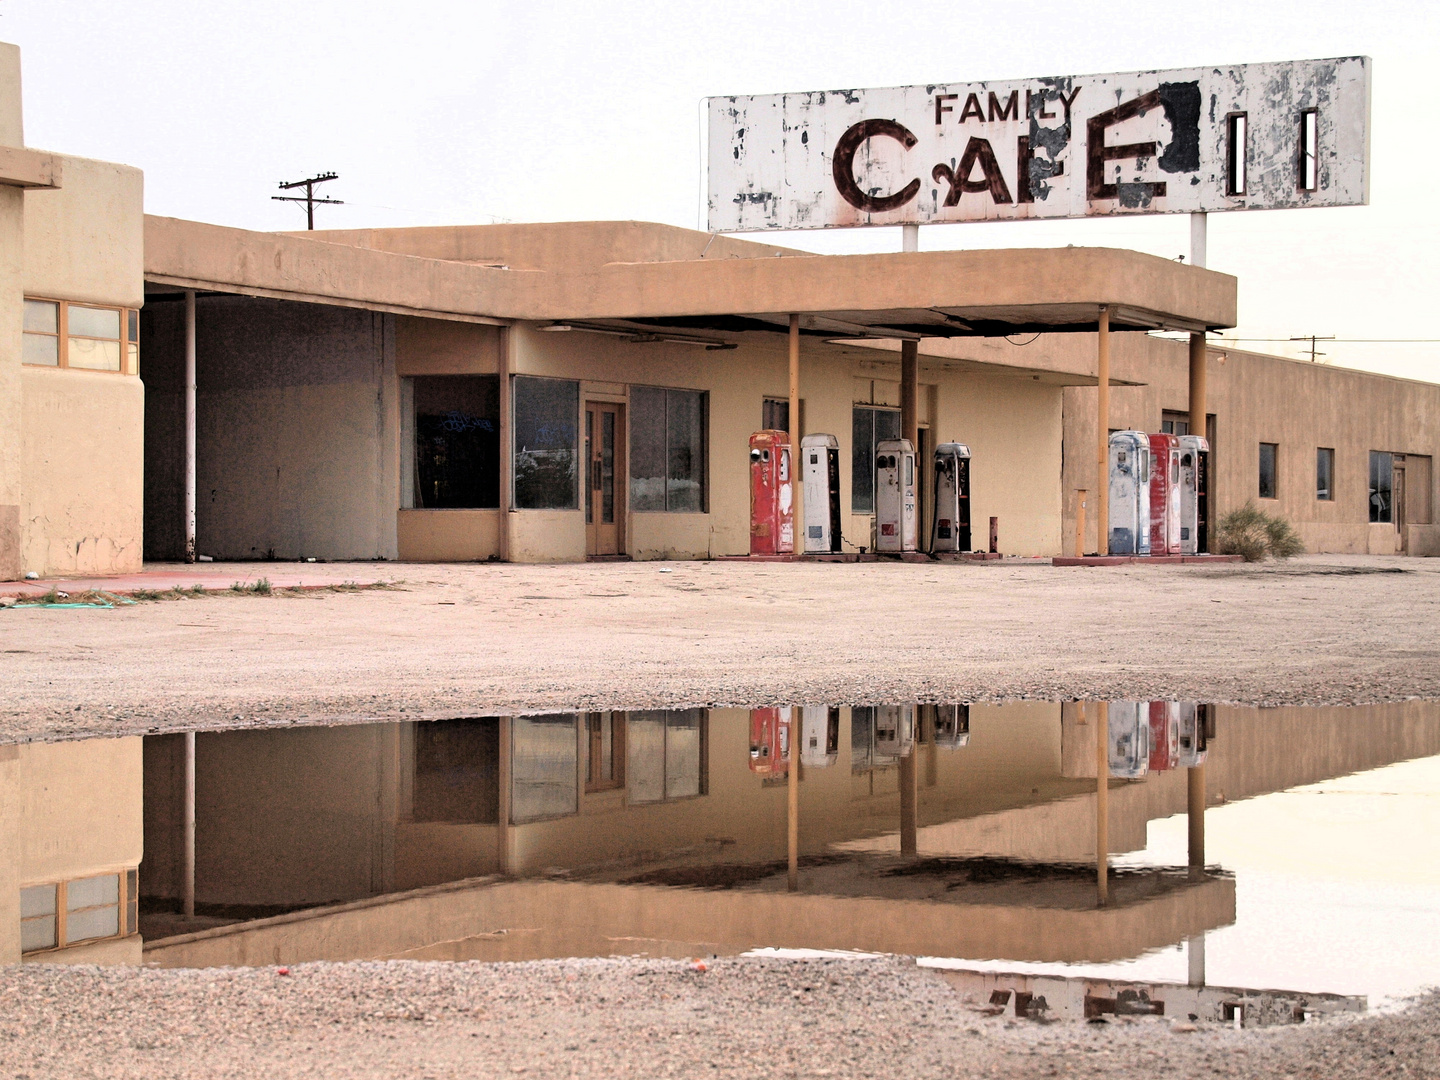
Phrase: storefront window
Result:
[870,426]
[667,450]
[665,755]
[546,418]
[544,760]
[457,442]
[1325,474]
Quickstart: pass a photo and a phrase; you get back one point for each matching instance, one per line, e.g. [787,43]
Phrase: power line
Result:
[308,198]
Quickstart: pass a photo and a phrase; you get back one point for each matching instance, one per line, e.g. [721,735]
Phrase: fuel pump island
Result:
[1158,496]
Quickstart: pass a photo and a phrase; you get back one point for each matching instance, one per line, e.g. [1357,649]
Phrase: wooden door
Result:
[605,486]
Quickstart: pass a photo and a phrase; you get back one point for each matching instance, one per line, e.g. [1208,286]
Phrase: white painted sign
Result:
[1250,137]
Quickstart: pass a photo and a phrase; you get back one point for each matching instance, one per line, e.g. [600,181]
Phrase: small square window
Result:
[1325,474]
[1268,454]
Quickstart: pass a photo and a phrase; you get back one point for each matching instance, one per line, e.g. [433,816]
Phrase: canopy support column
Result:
[190,426]
[1102,435]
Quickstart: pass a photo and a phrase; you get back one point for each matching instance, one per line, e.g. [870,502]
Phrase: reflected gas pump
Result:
[950,530]
[819,736]
[1129,739]
[1164,719]
[1129,493]
[770,740]
[772,520]
[820,456]
[895,496]
[952,726]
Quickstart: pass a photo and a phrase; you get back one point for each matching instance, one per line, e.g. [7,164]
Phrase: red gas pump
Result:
[770,741]
[1164,495]
[772,506]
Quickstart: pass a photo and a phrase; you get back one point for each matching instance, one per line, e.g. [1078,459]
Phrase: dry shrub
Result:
[1253,534]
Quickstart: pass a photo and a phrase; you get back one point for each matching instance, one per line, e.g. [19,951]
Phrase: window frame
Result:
[129,338]
[1329,490]
[126,905]
[1274,472]
[630,478]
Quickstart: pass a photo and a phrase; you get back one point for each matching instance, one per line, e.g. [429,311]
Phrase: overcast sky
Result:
[436,113]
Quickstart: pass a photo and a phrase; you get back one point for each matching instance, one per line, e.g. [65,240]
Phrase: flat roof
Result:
[933,294]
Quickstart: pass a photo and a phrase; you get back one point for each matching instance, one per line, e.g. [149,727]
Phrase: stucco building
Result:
[563,391]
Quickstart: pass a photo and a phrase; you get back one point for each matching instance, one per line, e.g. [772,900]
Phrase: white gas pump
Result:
[895,495]
[1194,498]
[1129,493]
[1192,735]
[952,725]
[1129,748]
[820,457]
[894,731]
[951,528]
[819,736]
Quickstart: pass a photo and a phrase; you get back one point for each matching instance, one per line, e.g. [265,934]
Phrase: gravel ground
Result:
[630,1018]
[458,640]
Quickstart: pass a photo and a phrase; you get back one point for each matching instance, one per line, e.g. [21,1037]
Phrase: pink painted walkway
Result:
[218,576]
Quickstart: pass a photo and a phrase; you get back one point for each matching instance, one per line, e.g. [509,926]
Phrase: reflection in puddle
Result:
[983,833]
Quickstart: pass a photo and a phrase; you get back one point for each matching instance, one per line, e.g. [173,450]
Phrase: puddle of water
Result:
[963,834]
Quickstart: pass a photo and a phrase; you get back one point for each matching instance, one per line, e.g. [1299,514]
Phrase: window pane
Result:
[94,354]
[862,450]
[1324,473]
[647,448]
[544,760]
[457,442]
[775,414]
[42,316]
[862,738]
[92,923]
[645,756]
[133,332]
[546,412]
[37,933]
[37,900]
[91,892]
[40,350]
[457,771]
[95,322]
[887,426]
[1267,470]
[1381,473]
[682,754]
[686,481]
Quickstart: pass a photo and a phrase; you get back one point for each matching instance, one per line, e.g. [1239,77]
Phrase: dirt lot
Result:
[460,640]
[876,1019]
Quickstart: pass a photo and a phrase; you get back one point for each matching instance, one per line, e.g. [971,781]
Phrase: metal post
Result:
[1102,802]
[1102,435]
[910,392]
[189,425]
[792,805]
[1195,819]
[187,812]
[1197,341]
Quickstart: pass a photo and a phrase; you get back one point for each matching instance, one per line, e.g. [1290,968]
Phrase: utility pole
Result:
[1313,338]
[308,198]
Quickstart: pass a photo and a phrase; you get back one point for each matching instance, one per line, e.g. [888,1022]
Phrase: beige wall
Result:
[81,432]
[70,810]
[12,256]
[1296,404]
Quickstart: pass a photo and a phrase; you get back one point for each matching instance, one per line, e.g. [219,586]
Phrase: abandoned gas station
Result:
[557,392]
